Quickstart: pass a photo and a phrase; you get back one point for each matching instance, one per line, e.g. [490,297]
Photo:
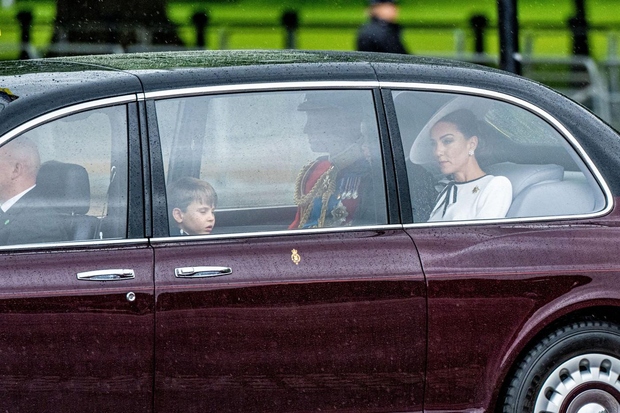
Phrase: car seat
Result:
[542,190]
[66,189]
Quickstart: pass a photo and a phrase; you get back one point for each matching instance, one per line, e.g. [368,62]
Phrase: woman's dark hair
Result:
[465,121]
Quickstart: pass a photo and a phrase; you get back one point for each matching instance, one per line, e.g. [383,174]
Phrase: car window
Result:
[66,180]
[475,158]
[273,160]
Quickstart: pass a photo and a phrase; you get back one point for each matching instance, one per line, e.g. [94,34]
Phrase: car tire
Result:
[575,369]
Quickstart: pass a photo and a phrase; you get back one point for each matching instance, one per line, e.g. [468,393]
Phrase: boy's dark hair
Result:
[187,190]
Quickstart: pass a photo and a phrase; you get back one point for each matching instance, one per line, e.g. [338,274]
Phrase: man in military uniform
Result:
[332,190]
[381,33]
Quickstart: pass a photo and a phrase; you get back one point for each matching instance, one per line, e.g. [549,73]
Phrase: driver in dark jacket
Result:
[381,33]
[25,216]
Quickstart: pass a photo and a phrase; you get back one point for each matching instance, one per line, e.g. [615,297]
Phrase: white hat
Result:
[421,152]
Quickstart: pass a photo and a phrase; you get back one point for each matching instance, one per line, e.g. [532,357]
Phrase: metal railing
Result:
[596,85]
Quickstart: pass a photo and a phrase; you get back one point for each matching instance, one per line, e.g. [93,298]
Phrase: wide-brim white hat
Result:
[421,152]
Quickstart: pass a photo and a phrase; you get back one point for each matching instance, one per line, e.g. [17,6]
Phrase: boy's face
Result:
[198,218]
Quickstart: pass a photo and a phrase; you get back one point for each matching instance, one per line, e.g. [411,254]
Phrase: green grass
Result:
[318,19]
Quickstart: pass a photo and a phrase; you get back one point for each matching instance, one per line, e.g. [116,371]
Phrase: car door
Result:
[76,313]
[306,294]
[492,278]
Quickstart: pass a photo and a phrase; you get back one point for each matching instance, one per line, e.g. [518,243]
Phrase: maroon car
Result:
[350,265]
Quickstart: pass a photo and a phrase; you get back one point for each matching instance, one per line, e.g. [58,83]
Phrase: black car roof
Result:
[44,85]
[92,77]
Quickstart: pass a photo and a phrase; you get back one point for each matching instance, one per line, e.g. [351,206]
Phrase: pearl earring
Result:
[471,152]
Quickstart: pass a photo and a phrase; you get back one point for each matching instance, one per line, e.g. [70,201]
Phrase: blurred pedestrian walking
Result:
[381,33]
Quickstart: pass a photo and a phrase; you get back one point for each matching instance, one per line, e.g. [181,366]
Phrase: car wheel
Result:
[575,369]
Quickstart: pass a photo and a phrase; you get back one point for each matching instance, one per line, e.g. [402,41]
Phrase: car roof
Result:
[44,85]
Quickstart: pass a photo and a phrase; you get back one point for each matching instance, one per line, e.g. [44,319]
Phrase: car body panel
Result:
[69,344]
[497,286]
[314,333]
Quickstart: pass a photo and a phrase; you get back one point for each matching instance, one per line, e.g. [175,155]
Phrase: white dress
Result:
[483,198]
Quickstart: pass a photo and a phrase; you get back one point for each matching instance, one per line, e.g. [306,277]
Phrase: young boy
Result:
[192,205]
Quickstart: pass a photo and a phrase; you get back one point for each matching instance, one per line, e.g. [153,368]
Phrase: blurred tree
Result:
[123,22]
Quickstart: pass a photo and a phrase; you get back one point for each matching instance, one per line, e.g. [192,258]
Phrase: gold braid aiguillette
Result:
[324,187]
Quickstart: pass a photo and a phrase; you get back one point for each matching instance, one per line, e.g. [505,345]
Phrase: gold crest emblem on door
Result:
[295,257]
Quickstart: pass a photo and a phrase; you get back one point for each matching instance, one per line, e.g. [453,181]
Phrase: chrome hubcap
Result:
[594,401]
[589,370]
[593,408]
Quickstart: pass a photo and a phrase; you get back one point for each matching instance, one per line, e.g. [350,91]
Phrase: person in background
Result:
[381,33]
[192,205]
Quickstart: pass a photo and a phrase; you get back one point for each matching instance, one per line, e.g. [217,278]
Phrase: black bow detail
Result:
[450,191]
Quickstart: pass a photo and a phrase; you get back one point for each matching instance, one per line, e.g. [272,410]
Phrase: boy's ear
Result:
[177,214]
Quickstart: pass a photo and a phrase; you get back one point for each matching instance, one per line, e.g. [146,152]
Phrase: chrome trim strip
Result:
[534,222]
[532,108]
[66,111]
[71,244]
[252,87]
[260,208]
[276,233]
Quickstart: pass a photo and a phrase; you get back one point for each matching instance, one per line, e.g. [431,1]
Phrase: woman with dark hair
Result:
[470,193]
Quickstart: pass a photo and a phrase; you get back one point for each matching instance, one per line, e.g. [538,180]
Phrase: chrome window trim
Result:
[469,90]
[609,199]
[278,233]
[535,222]
[258,208]
[69,110]
[70,244]
[257,87]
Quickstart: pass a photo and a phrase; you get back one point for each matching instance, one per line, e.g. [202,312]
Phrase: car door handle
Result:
[106,275]
[201,272]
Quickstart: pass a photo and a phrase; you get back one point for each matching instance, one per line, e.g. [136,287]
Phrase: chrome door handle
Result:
[201,272]
[106,275]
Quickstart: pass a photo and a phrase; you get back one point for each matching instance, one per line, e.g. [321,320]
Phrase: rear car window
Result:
[476,158]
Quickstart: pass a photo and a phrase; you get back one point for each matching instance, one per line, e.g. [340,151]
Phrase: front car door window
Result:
[76,296]
[74,170]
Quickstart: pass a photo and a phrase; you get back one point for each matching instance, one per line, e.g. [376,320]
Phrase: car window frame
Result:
[160,212]
[404,193]
[135,229]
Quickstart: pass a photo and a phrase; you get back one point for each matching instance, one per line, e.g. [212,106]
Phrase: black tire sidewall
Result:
[557,348]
